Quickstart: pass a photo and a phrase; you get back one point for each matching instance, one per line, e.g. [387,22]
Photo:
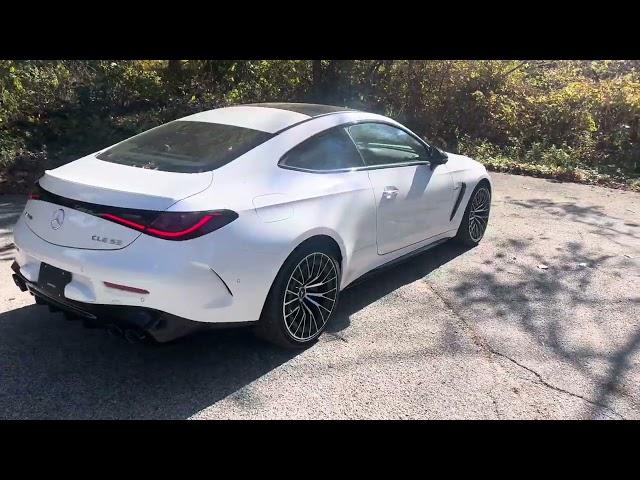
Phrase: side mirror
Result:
[437,156]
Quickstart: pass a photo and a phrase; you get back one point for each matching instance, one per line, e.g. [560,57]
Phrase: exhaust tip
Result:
[115,331]
[134,336]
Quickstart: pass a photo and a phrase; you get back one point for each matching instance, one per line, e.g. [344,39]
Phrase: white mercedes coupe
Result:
[247,215]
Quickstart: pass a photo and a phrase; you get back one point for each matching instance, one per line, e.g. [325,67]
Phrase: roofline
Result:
[313,118]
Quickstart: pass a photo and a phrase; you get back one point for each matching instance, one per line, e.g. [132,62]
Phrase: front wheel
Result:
[476,216]
[303,297]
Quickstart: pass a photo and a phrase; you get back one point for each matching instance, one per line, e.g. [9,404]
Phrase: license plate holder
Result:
[52,280]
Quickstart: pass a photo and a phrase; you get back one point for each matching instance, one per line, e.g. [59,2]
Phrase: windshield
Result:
[185,147]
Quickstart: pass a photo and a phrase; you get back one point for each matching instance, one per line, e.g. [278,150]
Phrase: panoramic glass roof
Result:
[311,109]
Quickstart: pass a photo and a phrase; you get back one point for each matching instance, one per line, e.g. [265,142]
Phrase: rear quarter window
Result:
[327,151]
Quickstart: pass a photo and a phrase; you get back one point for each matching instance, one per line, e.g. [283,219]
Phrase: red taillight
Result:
[166,225]
[36,192]
[123,221]
[176,225]
[125,288]
[179,233]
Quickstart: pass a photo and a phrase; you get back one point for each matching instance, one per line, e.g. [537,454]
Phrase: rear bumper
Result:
[161,326]
[197,279]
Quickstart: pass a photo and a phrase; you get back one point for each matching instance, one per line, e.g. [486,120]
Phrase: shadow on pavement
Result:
[52,368]
[565,307]
[604,224]
[388,279]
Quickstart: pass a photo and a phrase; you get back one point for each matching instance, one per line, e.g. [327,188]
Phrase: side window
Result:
[382,144]
[330,150]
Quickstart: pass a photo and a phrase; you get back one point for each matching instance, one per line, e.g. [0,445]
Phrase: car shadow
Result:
[53,368]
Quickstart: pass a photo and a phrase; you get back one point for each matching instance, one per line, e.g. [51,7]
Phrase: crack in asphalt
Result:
[542,381]
[495,405]
[336,336]
[484,345]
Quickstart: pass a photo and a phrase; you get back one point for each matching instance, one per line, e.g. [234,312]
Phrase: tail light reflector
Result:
[126,288]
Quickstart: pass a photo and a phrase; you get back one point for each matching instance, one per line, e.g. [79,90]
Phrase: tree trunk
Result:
[317,80]
[413,94]
[635,129]
[174,67]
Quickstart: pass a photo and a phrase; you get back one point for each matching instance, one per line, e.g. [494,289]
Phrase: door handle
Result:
[390,193]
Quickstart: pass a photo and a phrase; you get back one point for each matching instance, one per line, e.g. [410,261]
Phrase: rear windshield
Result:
[185,147]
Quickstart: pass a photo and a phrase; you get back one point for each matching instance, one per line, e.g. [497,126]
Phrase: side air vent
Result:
[463,187]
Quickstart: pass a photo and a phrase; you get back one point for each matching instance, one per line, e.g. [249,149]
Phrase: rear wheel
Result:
[476,216]
[303,297]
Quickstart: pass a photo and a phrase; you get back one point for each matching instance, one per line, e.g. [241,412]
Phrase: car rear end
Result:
[127,268]
[107,239]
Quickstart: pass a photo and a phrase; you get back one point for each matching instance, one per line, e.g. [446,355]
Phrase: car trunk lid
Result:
[76,194]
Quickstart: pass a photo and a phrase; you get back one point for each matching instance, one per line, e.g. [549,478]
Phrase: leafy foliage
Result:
[578,120]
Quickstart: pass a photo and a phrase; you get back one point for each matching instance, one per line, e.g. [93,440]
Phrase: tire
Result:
[476,216]
[303,298]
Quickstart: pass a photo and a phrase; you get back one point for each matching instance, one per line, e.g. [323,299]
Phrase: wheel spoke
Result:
[324,279]
[323,282]
[319,311]
[313,265]
[296,280]
[322,294]
[313,317]
[318,305]
[295,318]
[320,271]
[473,229]
[291,301]
[301,322]
[301,274]
[297,312]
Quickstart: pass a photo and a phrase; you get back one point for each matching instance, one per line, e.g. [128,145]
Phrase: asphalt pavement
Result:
[541,320]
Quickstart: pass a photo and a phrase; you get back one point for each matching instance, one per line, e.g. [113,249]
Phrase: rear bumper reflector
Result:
[162,326]
[126,288]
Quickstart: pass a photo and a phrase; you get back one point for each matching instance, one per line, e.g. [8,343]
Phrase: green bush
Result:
[560,118]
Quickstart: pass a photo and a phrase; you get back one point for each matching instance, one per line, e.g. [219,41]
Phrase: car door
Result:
[413,197]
